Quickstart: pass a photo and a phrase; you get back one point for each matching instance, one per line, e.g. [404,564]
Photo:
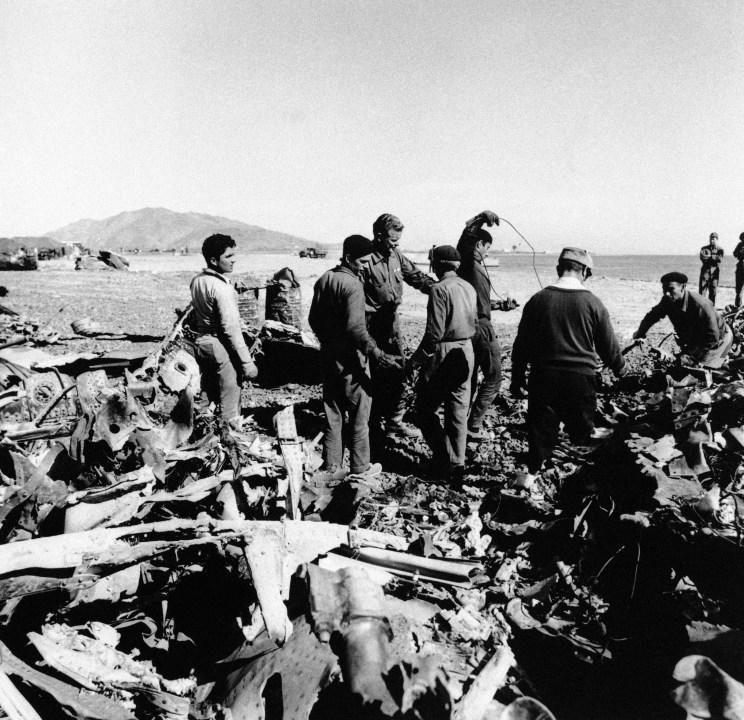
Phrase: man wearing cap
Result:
[445,356]
[739,276]
[337,317]
[710,257]
[223,356]
[565,329]
[703,335]
[473,246]
[384,276]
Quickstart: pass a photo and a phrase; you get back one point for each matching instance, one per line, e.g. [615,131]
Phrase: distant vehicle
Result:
[313,253]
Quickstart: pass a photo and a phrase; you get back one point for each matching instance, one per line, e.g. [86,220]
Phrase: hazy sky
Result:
[616,125]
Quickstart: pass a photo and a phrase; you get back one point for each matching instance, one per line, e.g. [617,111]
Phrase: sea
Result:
[647,268]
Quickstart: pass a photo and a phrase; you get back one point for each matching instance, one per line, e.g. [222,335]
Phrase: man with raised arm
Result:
[474,245]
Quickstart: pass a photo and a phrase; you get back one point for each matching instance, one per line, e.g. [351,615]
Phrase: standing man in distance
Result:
[565,329]
[223,356]
[384,276]
[474,244]
[703,335]
[337,317]
[445,356]
[739,276]
[710,257]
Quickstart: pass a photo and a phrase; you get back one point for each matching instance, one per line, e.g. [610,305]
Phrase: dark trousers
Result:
[387,383]
[709,282]
[739,283]
[221,376]
[556,396]
[446,381]
[488,361]
[346,401]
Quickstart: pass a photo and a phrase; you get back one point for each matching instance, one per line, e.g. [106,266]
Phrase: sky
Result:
[616,125]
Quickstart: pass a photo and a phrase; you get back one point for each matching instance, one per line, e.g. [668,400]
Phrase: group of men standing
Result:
[563,335]
[365,370]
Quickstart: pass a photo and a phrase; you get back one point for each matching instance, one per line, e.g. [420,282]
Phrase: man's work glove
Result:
[516,389]
[250,371]
[487,216]
[505,305]
[390,361]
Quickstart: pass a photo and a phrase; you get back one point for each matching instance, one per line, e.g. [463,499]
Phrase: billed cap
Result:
[577,255]
[714,235]
[675,277]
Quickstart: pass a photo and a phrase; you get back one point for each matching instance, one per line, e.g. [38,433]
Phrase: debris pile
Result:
[155,564]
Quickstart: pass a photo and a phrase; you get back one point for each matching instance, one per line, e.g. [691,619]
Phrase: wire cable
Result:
[529,245]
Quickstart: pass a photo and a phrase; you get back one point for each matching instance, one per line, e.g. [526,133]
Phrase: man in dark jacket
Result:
[445,357]
[384,276]
[710,257]
[739,276]
[565,329]
[703,335]
[337,317]
[474,244]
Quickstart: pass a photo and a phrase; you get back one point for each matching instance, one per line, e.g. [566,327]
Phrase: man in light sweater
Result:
[564,331]
[223,356]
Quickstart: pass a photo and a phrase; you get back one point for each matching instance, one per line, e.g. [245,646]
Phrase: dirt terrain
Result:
[594,592]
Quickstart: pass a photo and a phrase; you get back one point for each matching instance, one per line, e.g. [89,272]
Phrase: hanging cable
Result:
[529,245]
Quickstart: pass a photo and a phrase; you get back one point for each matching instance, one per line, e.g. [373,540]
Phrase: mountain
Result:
[162,229]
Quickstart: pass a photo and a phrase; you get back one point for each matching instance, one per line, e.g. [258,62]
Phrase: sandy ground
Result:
[144,299]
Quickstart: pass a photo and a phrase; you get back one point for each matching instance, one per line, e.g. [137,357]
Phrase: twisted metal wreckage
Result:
[155,565]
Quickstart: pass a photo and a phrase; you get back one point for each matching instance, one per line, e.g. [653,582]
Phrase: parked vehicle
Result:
[312,253]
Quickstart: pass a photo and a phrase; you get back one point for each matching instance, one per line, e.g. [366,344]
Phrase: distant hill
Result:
[162,229]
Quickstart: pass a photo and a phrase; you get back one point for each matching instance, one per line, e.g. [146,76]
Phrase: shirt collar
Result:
[214,273]
[568,283]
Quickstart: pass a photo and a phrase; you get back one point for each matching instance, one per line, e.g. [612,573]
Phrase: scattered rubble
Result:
[155,564]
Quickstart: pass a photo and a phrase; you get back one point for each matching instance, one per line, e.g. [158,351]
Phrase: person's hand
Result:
[516,390]
[686,360]
[490,217]
[250,370]
[623,371]
[390,361]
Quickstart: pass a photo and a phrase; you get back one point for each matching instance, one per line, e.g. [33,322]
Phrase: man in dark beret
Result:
[703,335]
[337,317]
[710,257]
[384,276]
[445,356]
